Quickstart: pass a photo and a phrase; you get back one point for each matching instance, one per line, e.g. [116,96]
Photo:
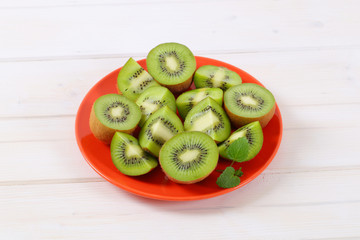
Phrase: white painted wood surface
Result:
[306,52]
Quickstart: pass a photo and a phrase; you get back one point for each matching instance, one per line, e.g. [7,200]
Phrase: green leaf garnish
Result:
[238,150]
[228,179]
[238,172]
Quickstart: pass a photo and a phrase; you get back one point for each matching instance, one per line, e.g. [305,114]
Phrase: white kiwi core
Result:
[150,107]
[171,63]
[237,135]
[206,121]
[218,77]
[189,155]
[117,111]
[247,100]
[161,131]
[133,150]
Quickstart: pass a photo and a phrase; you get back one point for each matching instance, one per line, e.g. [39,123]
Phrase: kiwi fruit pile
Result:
[182,130]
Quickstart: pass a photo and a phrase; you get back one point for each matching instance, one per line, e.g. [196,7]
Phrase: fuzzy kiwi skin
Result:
[180,87]
[238,121]
[102,132]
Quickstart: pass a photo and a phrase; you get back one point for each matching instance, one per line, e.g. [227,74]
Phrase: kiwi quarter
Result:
[128,157]
[133,80]
[213,76]
[186,101]
[111,113]
[254,135]
[160,127]
[209,117]
[189,157]
[172,65]
[153,99]
[249,102]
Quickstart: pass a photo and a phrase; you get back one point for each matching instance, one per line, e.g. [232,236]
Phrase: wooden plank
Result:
[273,206]
[55,128]
[100,30]
[295,78]
[15,4]
[312,149]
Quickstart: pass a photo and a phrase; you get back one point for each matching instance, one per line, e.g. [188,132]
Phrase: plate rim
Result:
[175,198]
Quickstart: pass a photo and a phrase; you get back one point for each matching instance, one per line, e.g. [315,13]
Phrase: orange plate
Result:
[155,184]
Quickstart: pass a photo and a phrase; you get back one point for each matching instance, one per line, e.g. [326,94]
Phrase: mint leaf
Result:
[238,172]
[228,179]
[238,150]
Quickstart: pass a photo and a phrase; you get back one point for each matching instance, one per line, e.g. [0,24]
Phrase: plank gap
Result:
[197,53]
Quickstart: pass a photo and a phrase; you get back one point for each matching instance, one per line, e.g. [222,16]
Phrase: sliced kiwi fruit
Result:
[172,65]
[189,157]
[160,127]
[153,99]
[186,101]
[128,157]
[111,113]
[213,76]
[209,117]
[133,80]
[249,102]
[254,135]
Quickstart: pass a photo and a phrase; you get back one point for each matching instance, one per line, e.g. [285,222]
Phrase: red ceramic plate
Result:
[155,184]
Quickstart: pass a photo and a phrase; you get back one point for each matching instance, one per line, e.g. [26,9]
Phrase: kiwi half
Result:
[160,127]
[128,157]
[133,80]
[209,117]
[186,101]
[153,99]
[189,157]
[172,65]
[249,102]
[213,76]
[254,135]
[111,113]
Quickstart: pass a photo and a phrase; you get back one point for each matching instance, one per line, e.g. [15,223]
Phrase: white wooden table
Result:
[307,52]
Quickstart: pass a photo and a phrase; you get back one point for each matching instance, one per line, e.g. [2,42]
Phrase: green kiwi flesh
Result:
[152,99]
[213,76]
[171,63]
[133,80]
[209,117]
[160,127]
[189,157]
[254,135]
[186,101]
[249,100]
[117,112]
[128,157]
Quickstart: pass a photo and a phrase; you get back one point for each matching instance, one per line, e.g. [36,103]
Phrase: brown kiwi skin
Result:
[102,132]
[180,87]
[238,121]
